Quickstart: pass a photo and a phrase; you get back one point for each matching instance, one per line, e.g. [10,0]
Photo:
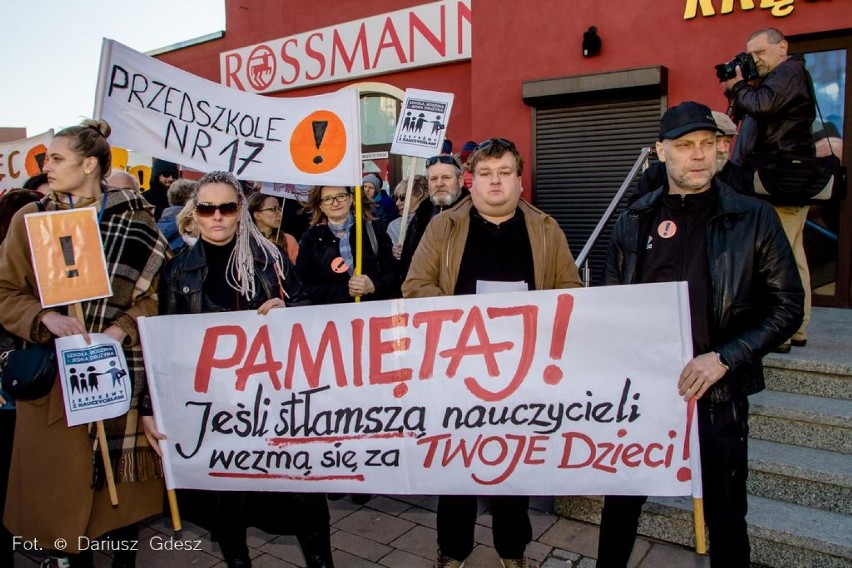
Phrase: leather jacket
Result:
[778,113]
[756,294]
[182,282]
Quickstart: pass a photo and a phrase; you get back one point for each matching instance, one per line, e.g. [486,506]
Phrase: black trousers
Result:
[510,528]
[723,438]
[7,434]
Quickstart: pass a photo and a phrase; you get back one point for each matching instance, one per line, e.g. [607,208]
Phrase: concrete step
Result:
[802,420]
[796,374]
[804,476]
[782,534]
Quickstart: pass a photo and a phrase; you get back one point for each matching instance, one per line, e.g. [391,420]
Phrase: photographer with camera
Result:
[777,114]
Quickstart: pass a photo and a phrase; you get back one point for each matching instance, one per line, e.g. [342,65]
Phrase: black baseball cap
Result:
[685,118]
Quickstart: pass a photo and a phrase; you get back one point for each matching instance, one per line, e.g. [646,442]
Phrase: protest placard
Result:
[422,123]
[167,113]
[22,159]
[539,393]
[68,256]
[94,378]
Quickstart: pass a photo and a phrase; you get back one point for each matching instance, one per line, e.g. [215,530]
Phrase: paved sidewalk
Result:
[397,532]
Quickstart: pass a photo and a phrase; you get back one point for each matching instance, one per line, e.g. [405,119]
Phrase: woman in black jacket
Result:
[326,261]
[234,267]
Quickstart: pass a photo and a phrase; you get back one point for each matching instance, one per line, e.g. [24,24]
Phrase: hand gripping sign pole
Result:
[77,308]
[420,133]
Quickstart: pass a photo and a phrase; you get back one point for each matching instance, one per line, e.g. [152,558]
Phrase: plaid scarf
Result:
[342,232]
[135,251]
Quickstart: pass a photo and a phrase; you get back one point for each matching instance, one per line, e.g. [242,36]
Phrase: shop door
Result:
[583,152]
[828,230]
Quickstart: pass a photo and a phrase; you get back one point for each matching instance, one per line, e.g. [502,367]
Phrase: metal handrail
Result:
[582,259]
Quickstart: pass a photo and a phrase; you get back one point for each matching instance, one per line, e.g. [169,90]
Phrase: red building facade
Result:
[518,71]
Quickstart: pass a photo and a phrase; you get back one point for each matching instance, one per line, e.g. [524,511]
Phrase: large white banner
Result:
[537,393]
[22,159]
[167,113]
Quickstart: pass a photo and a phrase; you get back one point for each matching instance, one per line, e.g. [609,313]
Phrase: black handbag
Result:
[29,373]
[786,179]
[797,180]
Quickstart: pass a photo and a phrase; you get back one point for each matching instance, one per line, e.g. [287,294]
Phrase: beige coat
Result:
[435,267]
[49,493]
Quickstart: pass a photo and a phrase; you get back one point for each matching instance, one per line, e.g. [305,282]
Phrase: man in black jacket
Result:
[745,297]
[778,114]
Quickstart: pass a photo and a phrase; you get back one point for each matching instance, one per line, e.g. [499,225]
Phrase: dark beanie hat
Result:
[447,148]
[163,167]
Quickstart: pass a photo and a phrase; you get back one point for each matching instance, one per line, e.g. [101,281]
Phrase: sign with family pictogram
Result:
[162,111]
[422,123]
[94,378]
[531,393]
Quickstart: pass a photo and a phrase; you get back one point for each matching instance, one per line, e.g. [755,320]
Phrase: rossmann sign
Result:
[431,34]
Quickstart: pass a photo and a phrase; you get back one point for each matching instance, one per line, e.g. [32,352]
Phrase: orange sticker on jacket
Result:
[667,229]
[339,265]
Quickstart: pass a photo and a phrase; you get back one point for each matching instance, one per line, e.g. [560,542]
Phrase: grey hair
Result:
[773,35]
[240,270]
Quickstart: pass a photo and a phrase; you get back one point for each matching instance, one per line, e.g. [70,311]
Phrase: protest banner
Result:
[422,123]
[22,159]
[168,113]
[537,393]
[94,378]
[68,256]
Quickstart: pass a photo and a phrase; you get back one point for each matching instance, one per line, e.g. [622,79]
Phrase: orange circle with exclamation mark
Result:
[318,143]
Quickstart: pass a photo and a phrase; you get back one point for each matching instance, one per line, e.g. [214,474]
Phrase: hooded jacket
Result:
[756,294]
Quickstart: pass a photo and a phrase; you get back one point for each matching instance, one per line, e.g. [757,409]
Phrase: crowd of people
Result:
[216,244]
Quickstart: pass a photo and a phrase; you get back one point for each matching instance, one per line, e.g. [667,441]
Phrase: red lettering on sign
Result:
[311,366]
[434,321]
[207,357]
[268,365]
[337,48]
[233,65]
[530,318]
[485,349]
[315,55]
[608,456]
[291,61]
[379,348]
[464,15]
[389,32]
[440,45]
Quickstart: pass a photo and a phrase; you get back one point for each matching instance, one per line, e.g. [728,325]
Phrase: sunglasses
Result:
[228,209]
[501,142]
[339,198]
[444,159]
[277,209]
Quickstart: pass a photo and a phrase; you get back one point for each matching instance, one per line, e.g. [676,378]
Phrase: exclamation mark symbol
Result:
[684,473]
[68,254]
[564,306]
[319,127]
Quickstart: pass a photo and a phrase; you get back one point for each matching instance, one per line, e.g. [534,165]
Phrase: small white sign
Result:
[422,123]
[95,380]
[374,156]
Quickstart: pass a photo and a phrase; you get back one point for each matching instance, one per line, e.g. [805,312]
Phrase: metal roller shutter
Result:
[583,152]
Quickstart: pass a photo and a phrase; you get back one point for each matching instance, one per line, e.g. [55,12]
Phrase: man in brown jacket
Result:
[491,241]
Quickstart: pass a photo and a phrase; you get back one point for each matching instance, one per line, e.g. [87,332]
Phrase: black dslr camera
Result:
[744,61]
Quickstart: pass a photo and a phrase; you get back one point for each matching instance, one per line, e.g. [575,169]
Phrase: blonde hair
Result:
[240,269]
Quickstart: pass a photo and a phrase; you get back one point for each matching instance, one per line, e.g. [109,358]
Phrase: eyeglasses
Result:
[277,209]
[339,198]
[399,197]
[228,209]
[448,159]
[502,142]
